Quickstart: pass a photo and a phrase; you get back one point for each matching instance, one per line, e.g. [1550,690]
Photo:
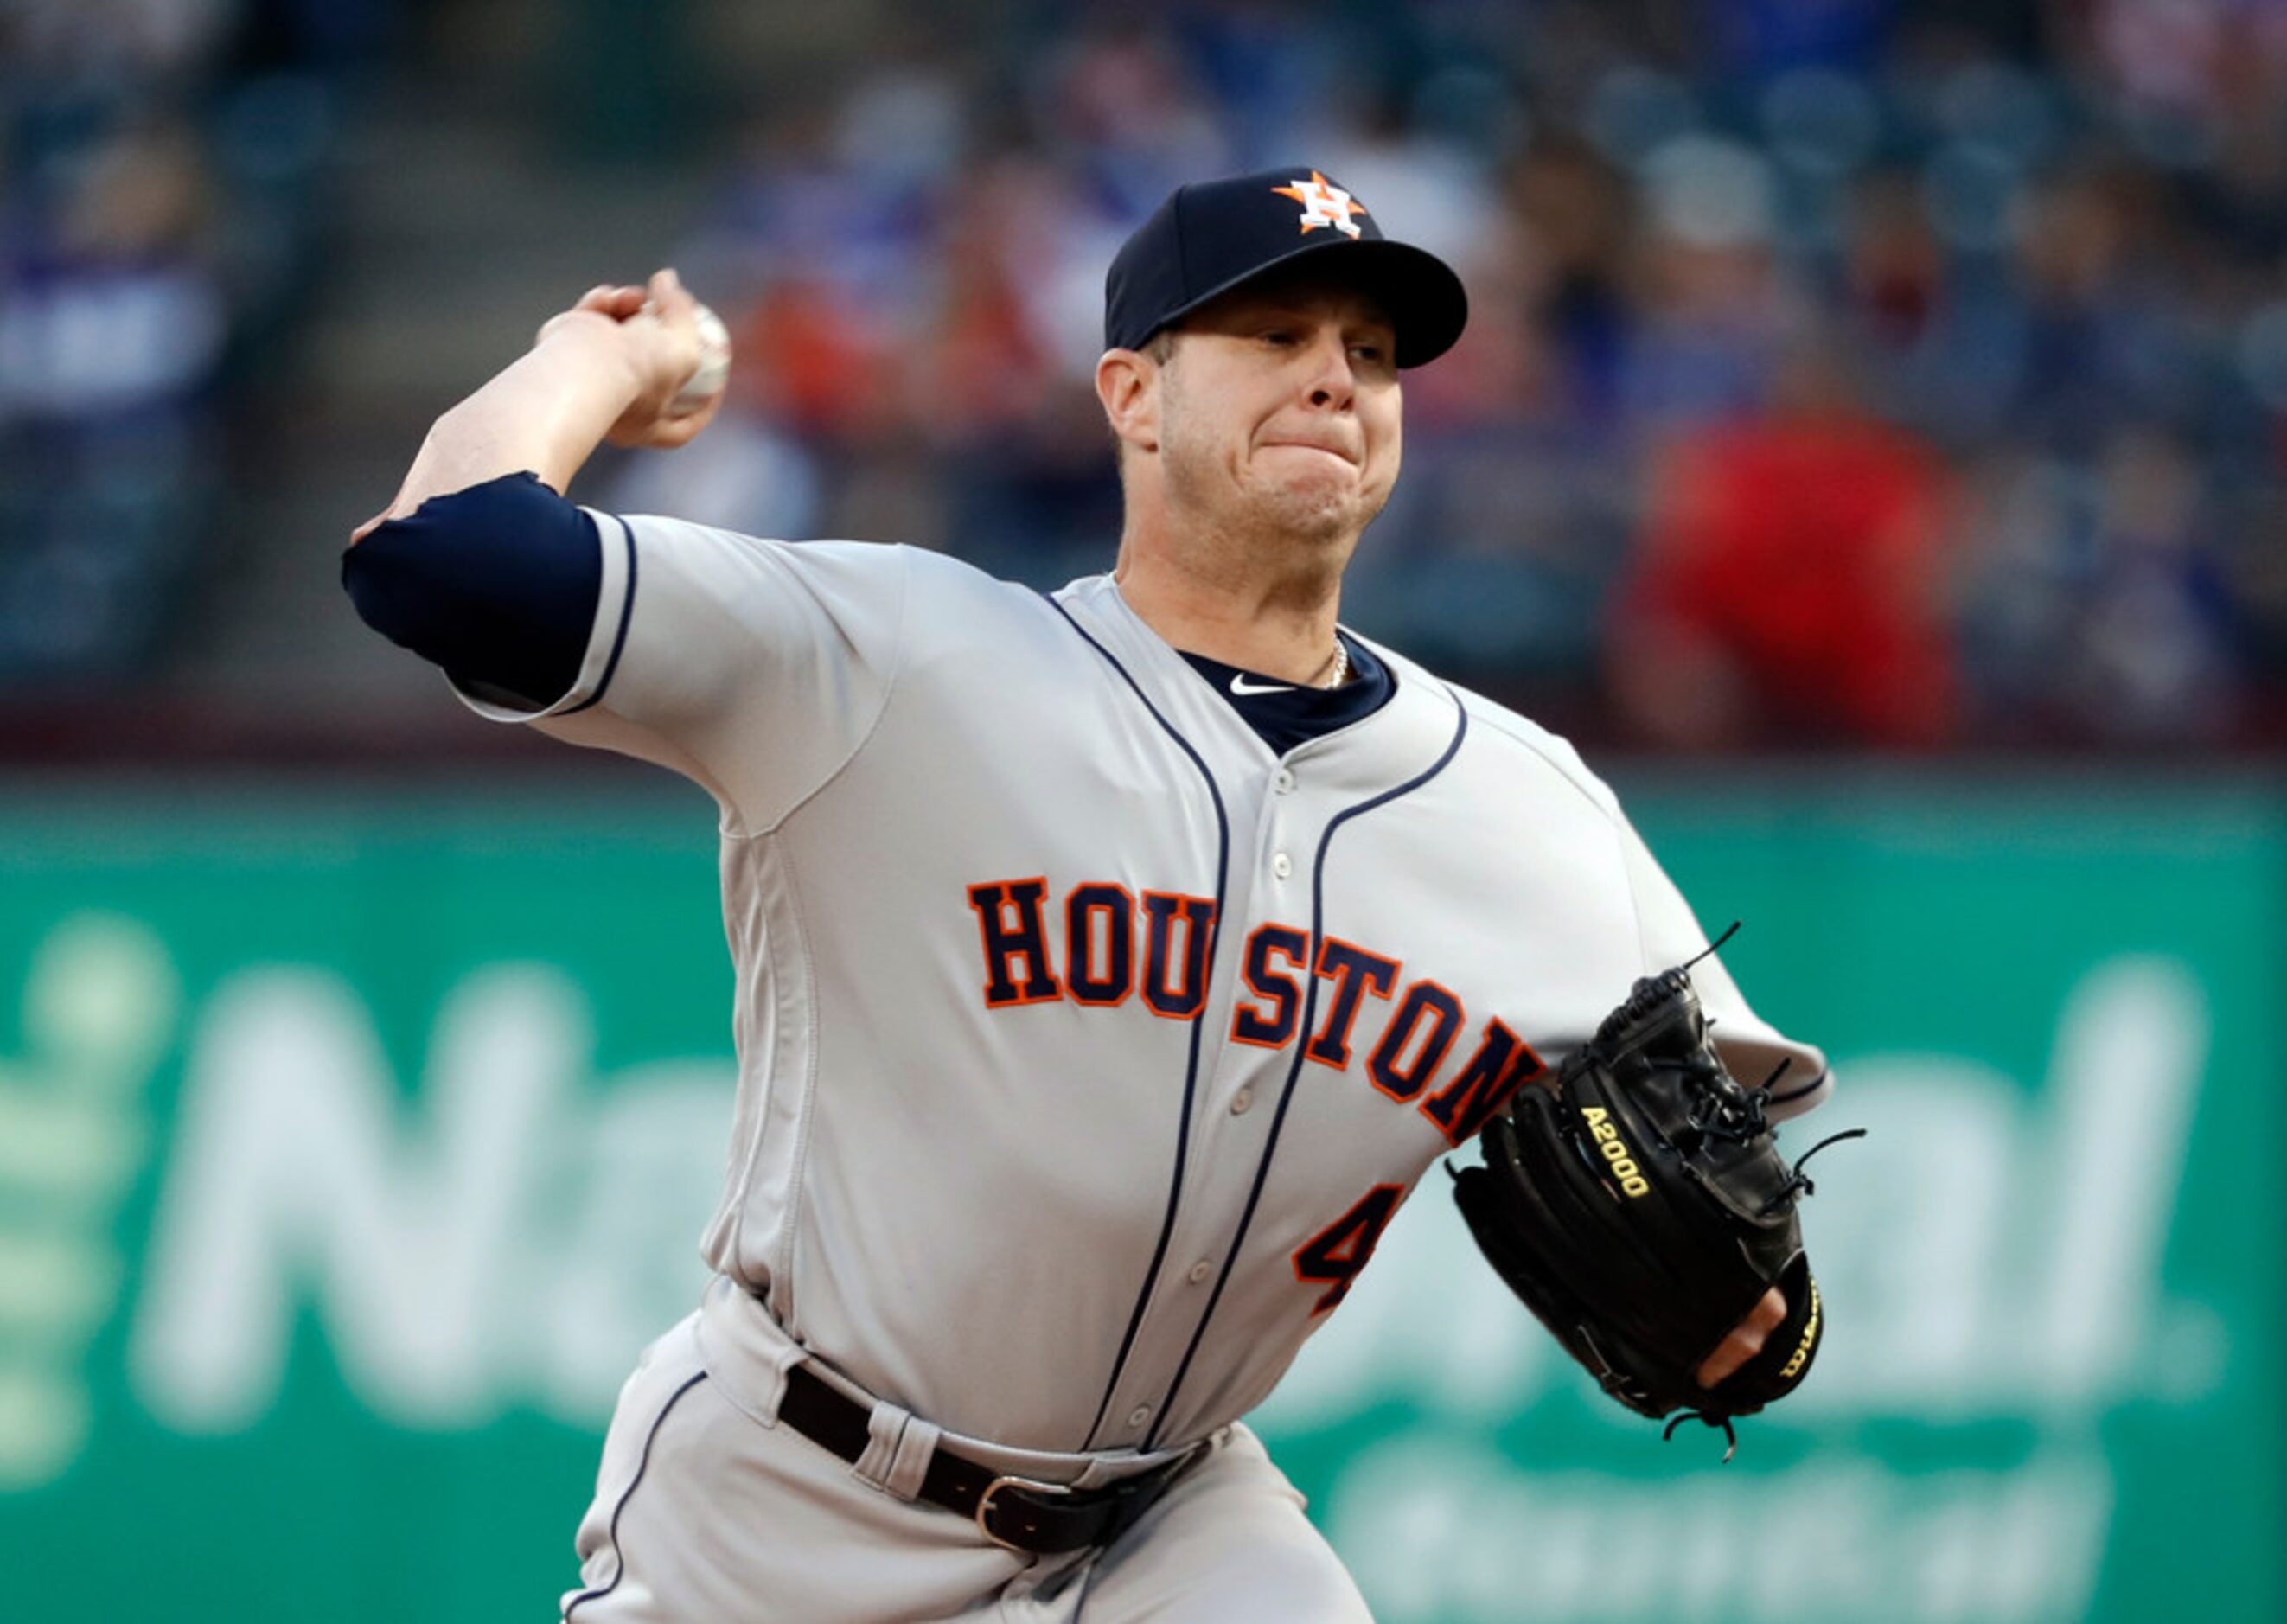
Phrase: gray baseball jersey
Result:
[1086,1045]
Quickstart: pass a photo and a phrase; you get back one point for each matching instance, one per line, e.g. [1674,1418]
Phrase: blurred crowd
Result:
[1853,372]
[1896,373]
[156,163]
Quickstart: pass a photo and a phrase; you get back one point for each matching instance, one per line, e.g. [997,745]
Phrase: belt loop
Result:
[746,1353]
[782,1360]
[916,1444]
[885,1428]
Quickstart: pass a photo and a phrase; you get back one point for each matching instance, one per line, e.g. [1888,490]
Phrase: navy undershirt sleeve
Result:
[496,583]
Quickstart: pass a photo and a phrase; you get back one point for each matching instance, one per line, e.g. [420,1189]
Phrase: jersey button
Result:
[1141,1414]
[1280,865]
[1285,781]
[1200,1270]
[1240,1101]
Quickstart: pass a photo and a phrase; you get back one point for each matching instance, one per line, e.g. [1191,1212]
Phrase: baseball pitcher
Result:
[1111,964]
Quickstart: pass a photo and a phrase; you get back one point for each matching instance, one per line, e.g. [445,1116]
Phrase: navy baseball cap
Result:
[1210,236]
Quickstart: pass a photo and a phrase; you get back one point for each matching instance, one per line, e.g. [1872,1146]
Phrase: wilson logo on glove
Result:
[1802,1350]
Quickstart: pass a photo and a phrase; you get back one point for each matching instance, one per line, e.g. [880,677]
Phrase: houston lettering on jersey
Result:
[1095,958]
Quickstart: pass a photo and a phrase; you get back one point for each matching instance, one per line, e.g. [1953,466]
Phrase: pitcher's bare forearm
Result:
[606,369]
[546,412]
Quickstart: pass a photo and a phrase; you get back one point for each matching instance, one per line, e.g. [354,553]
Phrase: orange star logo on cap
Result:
[1323,204]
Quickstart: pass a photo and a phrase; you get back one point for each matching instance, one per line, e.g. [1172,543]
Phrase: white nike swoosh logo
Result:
[1239,685]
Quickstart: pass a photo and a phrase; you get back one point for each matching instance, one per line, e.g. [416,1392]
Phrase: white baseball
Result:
[714,371]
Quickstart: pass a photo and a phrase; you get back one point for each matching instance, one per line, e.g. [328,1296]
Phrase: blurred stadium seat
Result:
[2043,246]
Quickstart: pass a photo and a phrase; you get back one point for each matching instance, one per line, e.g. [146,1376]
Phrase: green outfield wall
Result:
[352,1144]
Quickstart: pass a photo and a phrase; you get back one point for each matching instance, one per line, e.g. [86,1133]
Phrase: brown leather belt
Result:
[1042,1519]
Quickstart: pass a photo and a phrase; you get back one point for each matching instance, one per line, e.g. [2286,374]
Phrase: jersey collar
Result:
[1401,739]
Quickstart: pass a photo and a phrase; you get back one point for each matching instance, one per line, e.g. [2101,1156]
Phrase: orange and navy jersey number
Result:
[1087,950]
[1334,1257]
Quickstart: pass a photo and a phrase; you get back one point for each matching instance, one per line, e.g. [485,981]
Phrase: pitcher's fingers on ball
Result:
[612,298]
[705,385]
[666,296]
[682,428]
[605,299]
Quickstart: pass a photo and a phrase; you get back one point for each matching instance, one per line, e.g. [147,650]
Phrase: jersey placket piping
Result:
[1295,1066]
[1191,1069]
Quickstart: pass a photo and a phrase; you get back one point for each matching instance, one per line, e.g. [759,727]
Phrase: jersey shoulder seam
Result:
[1566,764]
[1554,753]
[905,556]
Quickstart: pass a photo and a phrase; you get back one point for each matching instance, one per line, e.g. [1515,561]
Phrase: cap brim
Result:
[1423,297]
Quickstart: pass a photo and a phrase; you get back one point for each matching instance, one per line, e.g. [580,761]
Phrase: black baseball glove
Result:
[1641,1209]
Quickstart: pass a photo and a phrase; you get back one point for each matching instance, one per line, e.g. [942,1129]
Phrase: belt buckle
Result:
[1054,1491]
